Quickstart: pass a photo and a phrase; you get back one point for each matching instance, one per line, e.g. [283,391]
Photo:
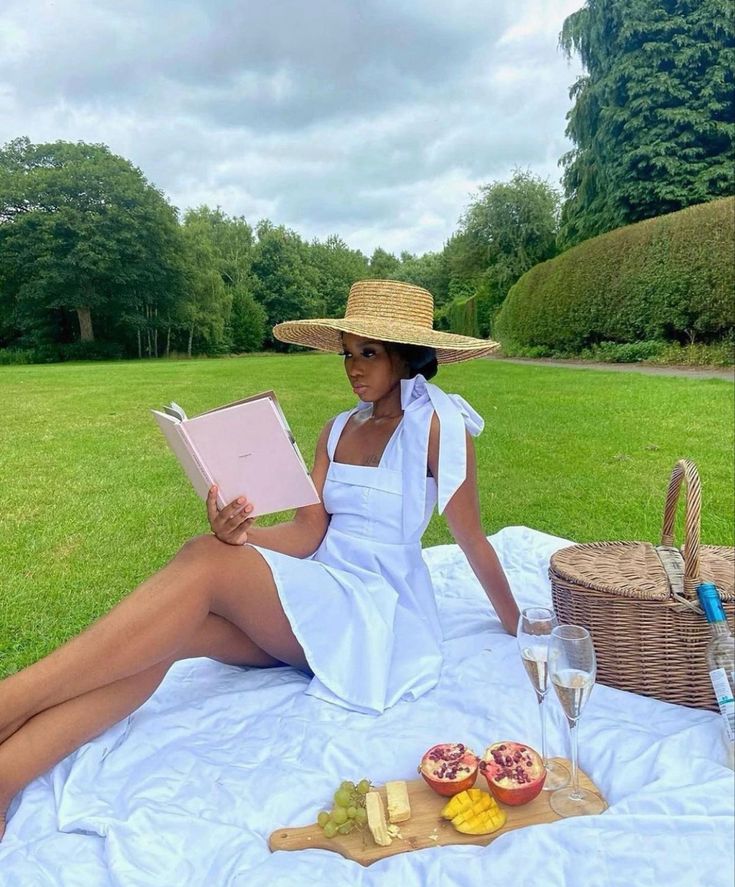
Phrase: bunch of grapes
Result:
[348,811]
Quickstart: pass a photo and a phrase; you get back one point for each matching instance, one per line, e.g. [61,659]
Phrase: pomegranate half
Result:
[449,768]
[515,773]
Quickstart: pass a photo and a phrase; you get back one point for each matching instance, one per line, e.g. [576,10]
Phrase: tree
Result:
[82,231]
[383,265]
[205,310]
[231,239]
[337,267]
[508,228]
[285,281]
[652,120]
[465,260]
[248,321]
[429,271]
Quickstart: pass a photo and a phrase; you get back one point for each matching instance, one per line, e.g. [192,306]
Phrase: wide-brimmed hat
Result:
[388,311]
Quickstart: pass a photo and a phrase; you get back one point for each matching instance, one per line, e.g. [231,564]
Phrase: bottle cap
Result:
[709,598]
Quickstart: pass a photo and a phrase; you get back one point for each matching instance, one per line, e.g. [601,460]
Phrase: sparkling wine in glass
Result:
[572,667]
[534,629]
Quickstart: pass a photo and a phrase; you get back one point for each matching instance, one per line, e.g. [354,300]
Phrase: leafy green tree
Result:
[429,271]
[229,247]
[510,227]
[83,232]
[652,120]
[286,282]
[248,321]
[231,239]
[465,260]
[383,265]
[205,311]
[337,267]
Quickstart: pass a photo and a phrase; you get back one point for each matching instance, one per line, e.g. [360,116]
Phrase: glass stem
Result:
[575,774]
[542,715]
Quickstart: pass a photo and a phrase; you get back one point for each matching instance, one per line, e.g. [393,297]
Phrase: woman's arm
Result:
[463,518]
[299,537]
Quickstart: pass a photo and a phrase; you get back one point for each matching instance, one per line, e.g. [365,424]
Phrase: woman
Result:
[340,592]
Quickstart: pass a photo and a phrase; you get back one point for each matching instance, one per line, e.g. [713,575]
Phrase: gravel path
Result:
[727,373]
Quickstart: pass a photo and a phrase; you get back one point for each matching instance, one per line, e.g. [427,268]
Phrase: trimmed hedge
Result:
[469,315]
[670,278]
[461,316]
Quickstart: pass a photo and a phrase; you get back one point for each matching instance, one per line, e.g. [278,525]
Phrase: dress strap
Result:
[420,399]
[335,431]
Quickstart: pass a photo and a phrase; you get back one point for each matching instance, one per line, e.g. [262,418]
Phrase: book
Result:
[246,448]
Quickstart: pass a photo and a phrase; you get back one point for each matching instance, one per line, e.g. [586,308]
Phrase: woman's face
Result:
[372,369]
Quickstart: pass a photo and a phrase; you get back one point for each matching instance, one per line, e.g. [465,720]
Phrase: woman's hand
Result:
[231,523]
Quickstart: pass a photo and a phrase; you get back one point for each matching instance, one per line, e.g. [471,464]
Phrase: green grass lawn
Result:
[93,501]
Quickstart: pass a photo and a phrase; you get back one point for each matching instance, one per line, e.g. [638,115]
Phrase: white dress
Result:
[362,606]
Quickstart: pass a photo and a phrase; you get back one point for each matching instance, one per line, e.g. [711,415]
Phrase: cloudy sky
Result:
[373,119]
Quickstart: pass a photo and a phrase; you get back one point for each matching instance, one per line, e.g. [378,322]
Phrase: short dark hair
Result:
[419,358]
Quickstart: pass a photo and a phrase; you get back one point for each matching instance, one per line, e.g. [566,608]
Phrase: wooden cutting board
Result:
[425,828]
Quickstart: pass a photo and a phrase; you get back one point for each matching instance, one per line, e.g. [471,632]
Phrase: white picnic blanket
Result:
[187,790]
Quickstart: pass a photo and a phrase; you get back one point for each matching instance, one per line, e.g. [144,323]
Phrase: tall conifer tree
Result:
[652,120]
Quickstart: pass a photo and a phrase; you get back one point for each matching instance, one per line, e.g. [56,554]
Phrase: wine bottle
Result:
[720,660]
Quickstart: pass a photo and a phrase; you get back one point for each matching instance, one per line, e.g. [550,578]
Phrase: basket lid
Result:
[624,569]
[635,569]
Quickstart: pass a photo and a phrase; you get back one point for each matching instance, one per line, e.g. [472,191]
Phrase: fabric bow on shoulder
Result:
[455,415]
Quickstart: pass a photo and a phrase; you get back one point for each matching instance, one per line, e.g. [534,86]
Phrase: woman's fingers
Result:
[236,507]
[212,505]
[230,524]
[237,510]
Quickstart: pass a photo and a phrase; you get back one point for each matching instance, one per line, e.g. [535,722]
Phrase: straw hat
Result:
[388,311]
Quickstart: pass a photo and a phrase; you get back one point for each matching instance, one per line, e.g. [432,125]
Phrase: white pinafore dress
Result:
[362,606]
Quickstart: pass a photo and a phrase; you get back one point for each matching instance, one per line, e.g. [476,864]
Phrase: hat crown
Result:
[390,300]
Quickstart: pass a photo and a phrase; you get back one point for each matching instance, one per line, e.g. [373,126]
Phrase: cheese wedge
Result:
[376,819]
[399,808]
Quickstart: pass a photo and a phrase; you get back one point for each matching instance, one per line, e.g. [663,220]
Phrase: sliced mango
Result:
[474,812]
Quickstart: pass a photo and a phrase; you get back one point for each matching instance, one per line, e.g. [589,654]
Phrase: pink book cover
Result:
[246,449]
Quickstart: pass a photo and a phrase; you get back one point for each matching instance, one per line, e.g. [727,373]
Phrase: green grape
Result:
[363,786]
[348,786]
[361,816]
[339,815]
[351,812]
[346,828]
[330,829]
[342,798]
[323,818]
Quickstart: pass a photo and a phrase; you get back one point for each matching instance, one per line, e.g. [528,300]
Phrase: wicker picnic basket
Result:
[639,602]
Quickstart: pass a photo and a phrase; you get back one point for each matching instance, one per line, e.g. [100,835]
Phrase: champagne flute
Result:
[534,628]
[572,667]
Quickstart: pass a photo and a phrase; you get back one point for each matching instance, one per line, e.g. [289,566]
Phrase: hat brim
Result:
[325,334]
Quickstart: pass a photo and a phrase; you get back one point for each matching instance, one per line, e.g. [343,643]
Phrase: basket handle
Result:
[685,470]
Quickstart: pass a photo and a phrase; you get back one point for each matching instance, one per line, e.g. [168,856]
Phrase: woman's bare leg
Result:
[157,620]
[217,639]
[50,736]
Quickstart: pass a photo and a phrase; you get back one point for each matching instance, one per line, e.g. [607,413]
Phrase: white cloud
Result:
[539,17]
[376,121]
